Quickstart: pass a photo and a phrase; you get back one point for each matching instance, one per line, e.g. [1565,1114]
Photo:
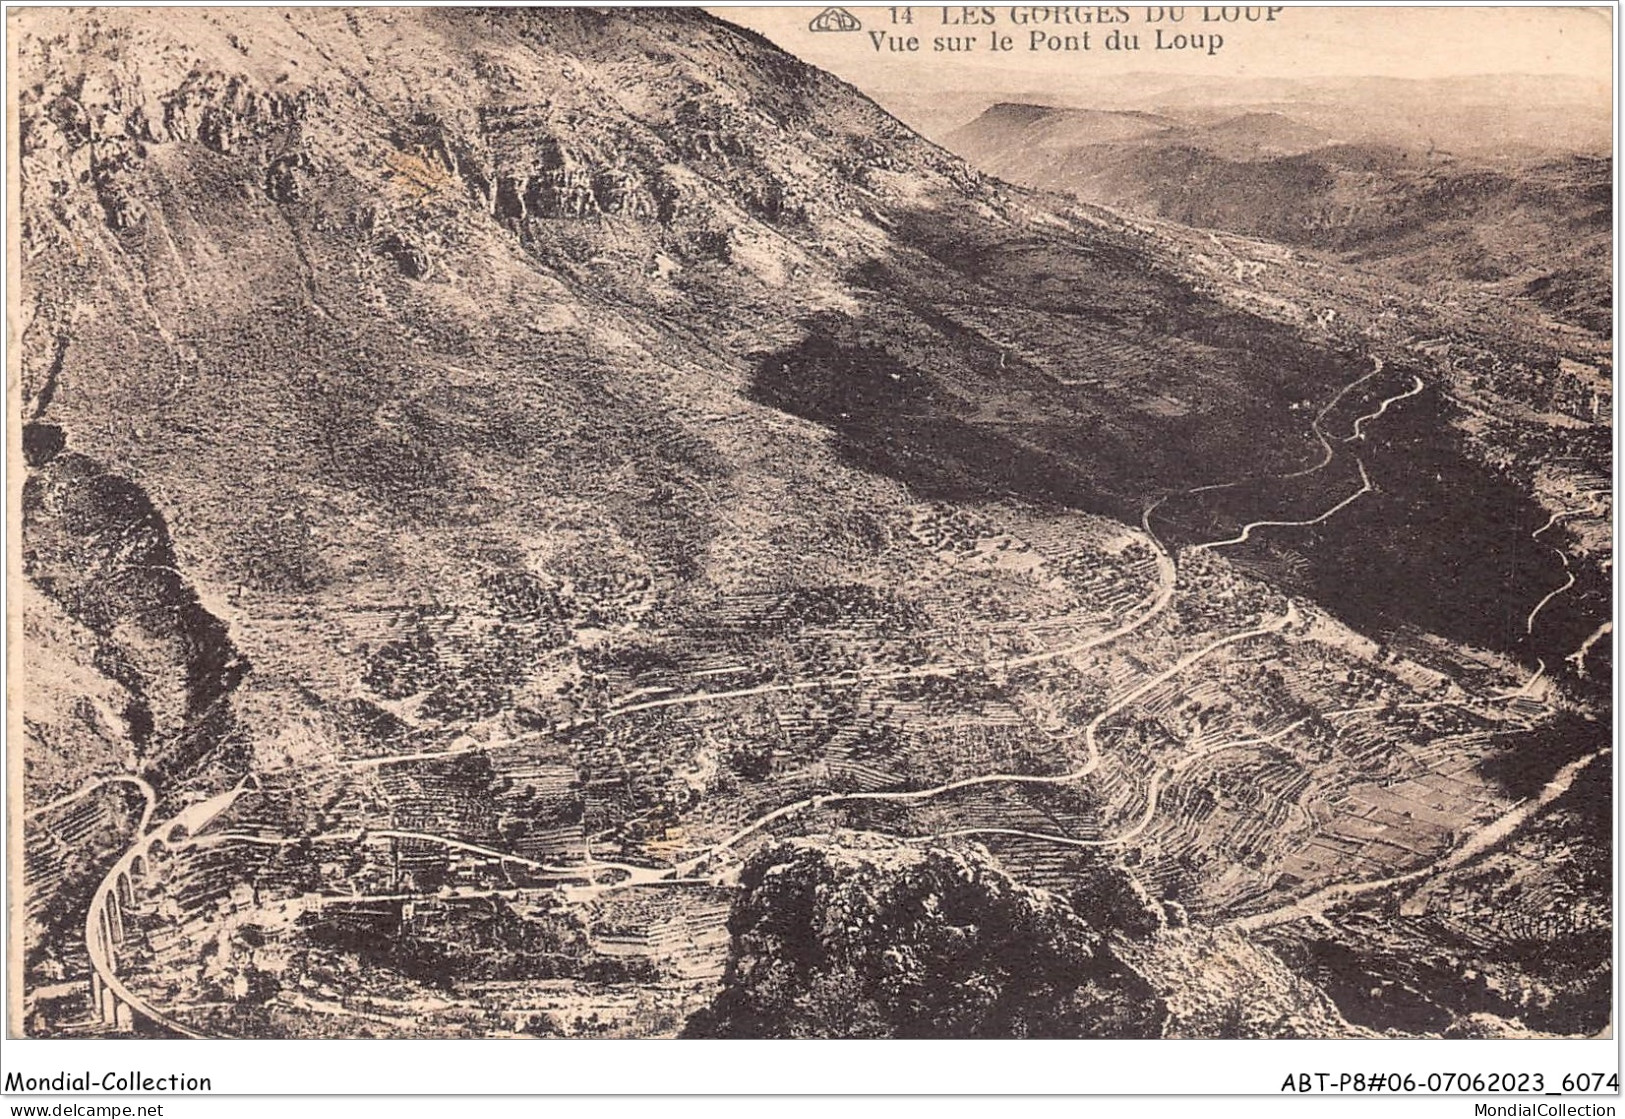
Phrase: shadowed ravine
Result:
[1439,543]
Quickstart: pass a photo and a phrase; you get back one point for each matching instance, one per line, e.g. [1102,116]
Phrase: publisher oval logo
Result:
[835,19]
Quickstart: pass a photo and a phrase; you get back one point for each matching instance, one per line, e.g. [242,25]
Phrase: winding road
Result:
[1088,767]
[147,791]
[1327,451]
[1154,605]
[1166,774]
[1148,607]
[700,869]
[586,869]
[1578,657]
[1247,529]
[1568,582]
[1529,623]
[1417,385]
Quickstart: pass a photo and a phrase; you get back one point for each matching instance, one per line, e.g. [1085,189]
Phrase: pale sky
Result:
[1302,42]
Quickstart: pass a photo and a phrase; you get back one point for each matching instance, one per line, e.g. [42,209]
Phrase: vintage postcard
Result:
[870,522]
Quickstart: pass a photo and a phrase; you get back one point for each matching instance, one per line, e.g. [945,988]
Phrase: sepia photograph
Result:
[917,523]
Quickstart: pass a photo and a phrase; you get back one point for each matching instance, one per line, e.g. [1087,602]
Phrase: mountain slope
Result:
[589,438]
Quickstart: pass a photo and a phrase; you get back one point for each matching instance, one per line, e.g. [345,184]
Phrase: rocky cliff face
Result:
[95,544]
[253,227]
[576,114]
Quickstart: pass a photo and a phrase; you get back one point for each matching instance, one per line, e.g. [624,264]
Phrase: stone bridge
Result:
[115,1004]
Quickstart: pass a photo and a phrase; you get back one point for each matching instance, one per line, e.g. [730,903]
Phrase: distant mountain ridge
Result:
[1484,115]
[1536,226]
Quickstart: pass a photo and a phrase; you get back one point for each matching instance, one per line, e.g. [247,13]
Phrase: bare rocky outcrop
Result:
[860,935]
